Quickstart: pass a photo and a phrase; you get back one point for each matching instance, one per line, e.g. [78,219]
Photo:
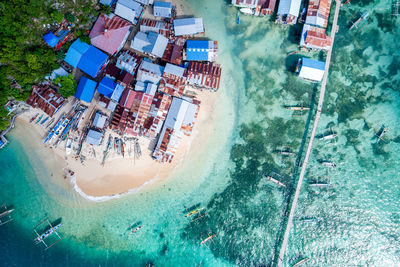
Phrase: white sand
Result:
[120,175]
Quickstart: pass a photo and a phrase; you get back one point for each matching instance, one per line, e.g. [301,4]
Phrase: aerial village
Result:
[137,84]
[314,16]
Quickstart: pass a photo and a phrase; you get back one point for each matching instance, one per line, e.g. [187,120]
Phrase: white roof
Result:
[315,20]
[310,73]
[174,69]
[140,86]
[151,42]
[149,72]
[291,7]
[128,9]
[176,113]
[190,115]
[151,89]
[94,137]
[99,120]
[188,26]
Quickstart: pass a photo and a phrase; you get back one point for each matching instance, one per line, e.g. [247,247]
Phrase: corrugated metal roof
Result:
[151,42]
[188,26]
[175,70]
[99,120]
[109,33]
[85,89]
[162,9]
[116,95]
[94,137]
[106,87]
[197,50]
[75,52]
[129,10]
[92,61]
[312,69]
[291,7]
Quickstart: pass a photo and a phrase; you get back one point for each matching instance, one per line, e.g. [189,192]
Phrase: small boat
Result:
[238,17]
[43,121]
[381,133]
[329,137]
[46,234]
[68,147]
[193,212]
[7,212]
[122,148]
[275,181]
[300,262]
[308,219]
[297,108]
[328,164]
[246,10]
[41,116]
[362,16]
[34,117]
[285,153]
[207,239]
[320,185]
[136,229]
[49,123]
[291,53]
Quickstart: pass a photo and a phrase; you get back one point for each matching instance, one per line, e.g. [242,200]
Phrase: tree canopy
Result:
[67,85]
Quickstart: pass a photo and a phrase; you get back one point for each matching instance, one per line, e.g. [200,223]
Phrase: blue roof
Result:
[92,61]
[311,63]
[162,4]
[106,87]
[50,39]
[197,50]
[107,2]
[116,95]
[75,52]
[85,89]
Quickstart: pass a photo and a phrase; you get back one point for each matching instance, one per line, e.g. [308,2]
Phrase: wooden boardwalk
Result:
[310,144]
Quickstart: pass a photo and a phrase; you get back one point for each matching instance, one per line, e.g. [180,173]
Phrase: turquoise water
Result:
[358,216]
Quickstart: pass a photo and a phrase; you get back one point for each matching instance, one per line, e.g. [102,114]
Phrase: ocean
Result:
[355,222]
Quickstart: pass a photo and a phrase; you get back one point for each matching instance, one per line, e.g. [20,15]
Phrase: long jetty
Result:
[310,144]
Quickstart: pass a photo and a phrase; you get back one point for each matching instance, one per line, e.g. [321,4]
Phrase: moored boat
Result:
[247,11]
[46,234]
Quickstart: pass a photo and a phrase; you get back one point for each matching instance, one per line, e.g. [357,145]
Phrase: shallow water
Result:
[358,218]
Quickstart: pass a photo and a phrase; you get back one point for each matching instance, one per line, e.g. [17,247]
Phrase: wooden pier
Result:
[289,224]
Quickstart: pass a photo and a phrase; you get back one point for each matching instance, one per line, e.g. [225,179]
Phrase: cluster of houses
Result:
[141,83]
[313,36]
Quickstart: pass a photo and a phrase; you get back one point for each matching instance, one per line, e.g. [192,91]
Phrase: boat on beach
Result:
[68,147]
[34,117]
[37,121]
[43,121]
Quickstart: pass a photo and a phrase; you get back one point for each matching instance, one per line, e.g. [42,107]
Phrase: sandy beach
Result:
[120,174]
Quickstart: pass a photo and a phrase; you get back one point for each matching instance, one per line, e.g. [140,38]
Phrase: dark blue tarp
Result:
[92,61]
[85,89]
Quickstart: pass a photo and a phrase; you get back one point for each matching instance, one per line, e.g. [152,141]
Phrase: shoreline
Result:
[105,183]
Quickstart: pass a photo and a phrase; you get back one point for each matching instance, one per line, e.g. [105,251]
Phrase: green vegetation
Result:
[24,57]
[67,85]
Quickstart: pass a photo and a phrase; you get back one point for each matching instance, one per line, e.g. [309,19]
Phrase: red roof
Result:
[109,33]
[45,98]
[317,39]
